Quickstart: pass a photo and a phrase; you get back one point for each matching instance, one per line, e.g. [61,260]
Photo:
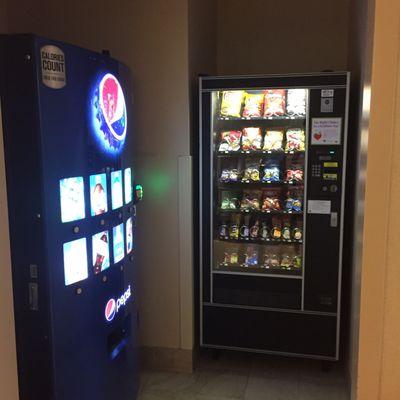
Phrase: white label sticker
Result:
[319,207]
[53,67]
[326,131]
[327,92]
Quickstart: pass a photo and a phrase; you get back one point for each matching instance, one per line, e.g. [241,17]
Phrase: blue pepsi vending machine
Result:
[67,126]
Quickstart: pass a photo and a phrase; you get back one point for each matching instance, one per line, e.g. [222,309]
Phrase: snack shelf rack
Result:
[271,118]
[251,153]
[271,242]
[263,212]
[237,269]
[240,185]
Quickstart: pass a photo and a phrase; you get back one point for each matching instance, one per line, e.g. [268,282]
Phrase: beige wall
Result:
[269,36]
[151,37]
[8,362]
[379,348]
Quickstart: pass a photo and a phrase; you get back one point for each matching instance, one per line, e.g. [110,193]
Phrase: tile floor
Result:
[237,376]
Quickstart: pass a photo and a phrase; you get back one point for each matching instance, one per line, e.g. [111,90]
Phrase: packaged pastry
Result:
[273,140]
[234,227]
[251,139]
[297,233]
[296,261]
[231,103]
[250,200]
[264,231]
[286,261]
[231,256]
[251,256]
[296,102]
[223,230]
[274,102]
[255,230]
[276,231]
[286,232]
[295,140]
[253,105]
[230,141]
[274,261]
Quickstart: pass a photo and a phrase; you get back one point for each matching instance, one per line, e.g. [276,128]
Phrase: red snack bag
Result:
[230,141]
[274,102]
[253,105]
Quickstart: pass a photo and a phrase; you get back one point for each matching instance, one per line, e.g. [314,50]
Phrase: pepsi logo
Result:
[109,113]
[113,307]
[111,310]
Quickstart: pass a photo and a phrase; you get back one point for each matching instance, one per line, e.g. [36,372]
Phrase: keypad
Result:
[316,170]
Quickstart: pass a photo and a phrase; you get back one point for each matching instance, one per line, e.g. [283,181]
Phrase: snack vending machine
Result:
[272,168]
[67,127]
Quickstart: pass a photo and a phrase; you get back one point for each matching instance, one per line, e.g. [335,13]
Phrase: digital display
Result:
[72,199]
[98,194]
[75,261]
[108,114]
[100,251]
[118,242]
[128,185]
[129,235]
[116,189]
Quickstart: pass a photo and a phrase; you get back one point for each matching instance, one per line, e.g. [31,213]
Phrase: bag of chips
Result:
[251,139]
[229,175]
[274,102]
[250,200]
[251,172]
[271,174]
[273,140]
[229,200]
[231,103]
[253,105]
[296,102]
[271,201]
[294,175]
[230,141]
[293,203]
[295,140]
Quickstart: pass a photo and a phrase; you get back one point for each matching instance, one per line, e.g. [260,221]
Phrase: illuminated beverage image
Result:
[72,199]
[128,185]
[100,252]
[118,242]
[116,189]
[75,261]
[98,194]
[129,236]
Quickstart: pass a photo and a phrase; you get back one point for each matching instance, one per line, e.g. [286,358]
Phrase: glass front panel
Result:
[258,180]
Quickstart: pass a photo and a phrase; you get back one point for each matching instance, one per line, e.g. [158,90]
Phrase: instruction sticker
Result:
[53,67]
[325,131]
[319,207]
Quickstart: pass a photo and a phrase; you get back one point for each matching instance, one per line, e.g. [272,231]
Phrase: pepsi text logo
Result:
[113,306]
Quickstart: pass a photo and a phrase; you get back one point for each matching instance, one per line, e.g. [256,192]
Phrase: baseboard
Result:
[167,359]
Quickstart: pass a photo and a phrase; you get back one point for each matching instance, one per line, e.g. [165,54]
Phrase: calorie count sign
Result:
[53,66]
